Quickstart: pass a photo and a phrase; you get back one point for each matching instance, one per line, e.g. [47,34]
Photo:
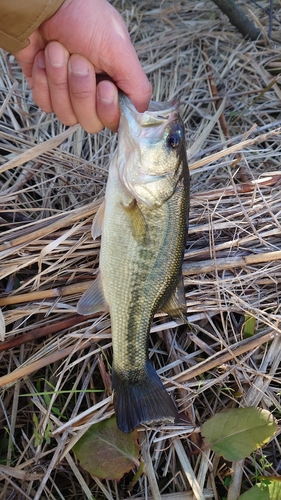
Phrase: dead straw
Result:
[52,183]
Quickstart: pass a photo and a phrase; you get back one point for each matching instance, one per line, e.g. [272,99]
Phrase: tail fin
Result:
[141,400]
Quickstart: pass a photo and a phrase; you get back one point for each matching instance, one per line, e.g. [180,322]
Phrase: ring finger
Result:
[82,88]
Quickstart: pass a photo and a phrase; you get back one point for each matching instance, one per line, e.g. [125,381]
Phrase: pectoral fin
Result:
[138,223]
[176,305]
[92,301]
[98,221]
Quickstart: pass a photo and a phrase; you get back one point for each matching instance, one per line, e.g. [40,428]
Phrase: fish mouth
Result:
[158,113]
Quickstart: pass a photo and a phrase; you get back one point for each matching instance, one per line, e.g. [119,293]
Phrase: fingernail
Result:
[41,60]
[56,55]
[106,92]
[79,65]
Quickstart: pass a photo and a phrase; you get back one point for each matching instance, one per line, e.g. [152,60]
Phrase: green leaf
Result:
[106,452]
[237,432]
[249,326]
[262,491]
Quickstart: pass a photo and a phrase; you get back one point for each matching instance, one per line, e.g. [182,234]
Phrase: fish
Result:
[143,226]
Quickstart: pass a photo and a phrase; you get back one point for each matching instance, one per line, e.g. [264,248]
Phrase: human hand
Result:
[68,58]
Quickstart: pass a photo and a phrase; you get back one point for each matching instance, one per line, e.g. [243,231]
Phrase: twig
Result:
[149,471]
[222,120]
[238,18]
[222,264]
[207,492]
[234,148]
[225,355]
[270,18]
[51,293]
[39,149]
[236,480]
[42,332]
[25,370]
[188,470]
[214,92]
[246,187]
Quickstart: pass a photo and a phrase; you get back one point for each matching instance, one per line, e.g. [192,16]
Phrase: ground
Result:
[52,182]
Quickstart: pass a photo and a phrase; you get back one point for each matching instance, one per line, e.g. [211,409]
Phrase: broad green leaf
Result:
[249,326]
[262,491]
[106,452]
[237,432]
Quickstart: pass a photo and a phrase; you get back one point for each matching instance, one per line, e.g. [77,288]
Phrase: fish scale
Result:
[130,325]
[143,229]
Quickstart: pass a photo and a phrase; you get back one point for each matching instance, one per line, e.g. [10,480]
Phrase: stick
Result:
[238,18]
[225,355]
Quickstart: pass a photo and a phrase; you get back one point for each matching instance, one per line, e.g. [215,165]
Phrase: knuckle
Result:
[81,94]
[59,86]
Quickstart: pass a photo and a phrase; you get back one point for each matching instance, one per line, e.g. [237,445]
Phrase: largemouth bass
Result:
[142,223]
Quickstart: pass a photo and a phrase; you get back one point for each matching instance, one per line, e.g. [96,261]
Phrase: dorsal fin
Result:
[175,306]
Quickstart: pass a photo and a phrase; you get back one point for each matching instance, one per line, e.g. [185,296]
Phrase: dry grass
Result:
[52,182]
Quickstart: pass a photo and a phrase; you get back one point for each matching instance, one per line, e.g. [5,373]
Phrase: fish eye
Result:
[173,141]
[175,137]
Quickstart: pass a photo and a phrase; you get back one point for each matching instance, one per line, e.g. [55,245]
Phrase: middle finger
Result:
[56,68]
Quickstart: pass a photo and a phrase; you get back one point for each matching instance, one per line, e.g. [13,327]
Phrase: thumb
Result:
[95,30]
